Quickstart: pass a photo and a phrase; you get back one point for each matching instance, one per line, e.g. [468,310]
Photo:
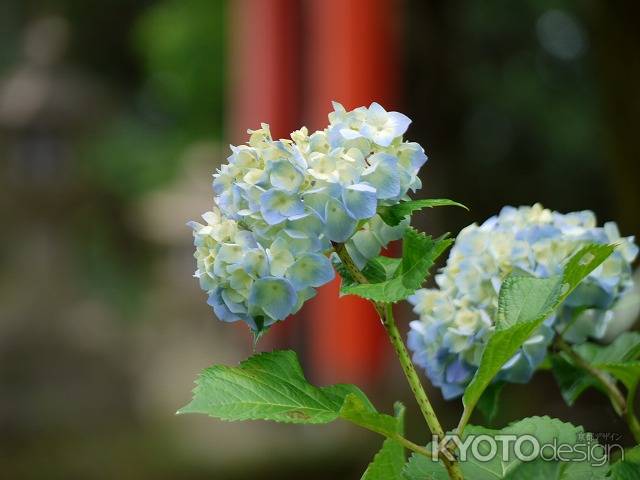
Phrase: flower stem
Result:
[410,372]
[385,310]
[408,444]
[388,321]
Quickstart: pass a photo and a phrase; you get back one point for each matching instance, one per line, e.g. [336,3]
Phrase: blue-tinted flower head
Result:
[455,318]
[265,247]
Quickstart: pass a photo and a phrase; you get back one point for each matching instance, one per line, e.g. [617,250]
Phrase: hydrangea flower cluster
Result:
[456,318]
[279,205]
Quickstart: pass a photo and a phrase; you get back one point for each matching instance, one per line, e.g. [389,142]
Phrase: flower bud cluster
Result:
[456,318]
[279,205]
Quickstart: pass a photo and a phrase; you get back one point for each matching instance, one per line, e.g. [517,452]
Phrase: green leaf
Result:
[505,464]
[571,380]
[376,270]
[269,386]
[619,359]
[390,266]
[272,386]
[627,468]
[389,461]
[627,372]
[394,214]
[524,299]
[490,400]
[524,303]
[419,252]
[625,347]
[357,409]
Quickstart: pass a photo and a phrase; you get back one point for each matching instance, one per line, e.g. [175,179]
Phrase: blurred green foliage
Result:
[176,100]
[509,99]
[182,43]
[179,98]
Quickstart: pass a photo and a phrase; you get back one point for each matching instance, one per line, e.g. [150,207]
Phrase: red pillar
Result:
[264,77]
[351,56]
[264,85]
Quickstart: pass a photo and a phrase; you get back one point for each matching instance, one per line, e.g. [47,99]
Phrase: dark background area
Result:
[113,115]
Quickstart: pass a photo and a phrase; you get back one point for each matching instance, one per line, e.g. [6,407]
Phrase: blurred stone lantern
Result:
[43,105]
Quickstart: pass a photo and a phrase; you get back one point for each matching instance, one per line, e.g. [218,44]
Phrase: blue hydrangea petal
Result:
[245,239]
[220,308]
[310,222]
[233,306]
[585,325]
[414,153]
[366,243]
[276,206]
[383,175]
[385,233]
[451,390]
[299,242]
[310,270]
[316,200]
[457,372]
[589,293]
[339,225]
[358,258]
[360,200]
[535,350]
[304,295]
[517,369]
[334,134]
[274,296]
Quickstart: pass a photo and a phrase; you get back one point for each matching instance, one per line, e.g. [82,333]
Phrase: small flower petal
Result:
[275,296]
[310,270]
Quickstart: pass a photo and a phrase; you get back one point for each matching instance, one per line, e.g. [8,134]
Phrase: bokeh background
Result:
[113,116]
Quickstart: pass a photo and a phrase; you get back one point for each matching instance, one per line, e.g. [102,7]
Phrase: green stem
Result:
[385,310]
[410,372]
[412,446]
[630,416]
[608,384]
[388,321]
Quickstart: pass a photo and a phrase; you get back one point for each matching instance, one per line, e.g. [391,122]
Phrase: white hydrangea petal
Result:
[399,123]
[280,258]
[285,176]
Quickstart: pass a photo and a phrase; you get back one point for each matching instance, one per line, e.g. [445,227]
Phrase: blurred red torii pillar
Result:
[288,60]
[351,57]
